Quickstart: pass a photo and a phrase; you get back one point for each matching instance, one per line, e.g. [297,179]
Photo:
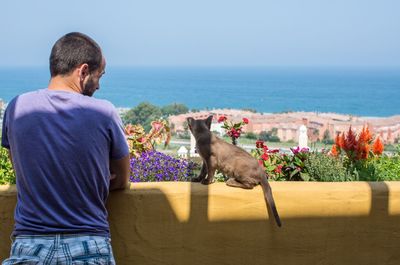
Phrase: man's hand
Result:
[119,170]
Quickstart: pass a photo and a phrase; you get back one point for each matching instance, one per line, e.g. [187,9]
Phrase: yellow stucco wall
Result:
[189,223]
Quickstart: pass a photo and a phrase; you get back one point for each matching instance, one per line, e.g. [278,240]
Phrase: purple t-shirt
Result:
[61,144]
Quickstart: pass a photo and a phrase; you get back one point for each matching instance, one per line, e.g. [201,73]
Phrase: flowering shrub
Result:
[156,166]
[280,166]
[359,153]
[357,147]
[140,142]
[233,130]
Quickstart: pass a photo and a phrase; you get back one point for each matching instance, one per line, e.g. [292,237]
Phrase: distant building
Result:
[287,124]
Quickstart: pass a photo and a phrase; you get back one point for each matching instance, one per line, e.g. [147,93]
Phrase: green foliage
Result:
[174,109]
[7,175]
[270,136]
[363,170]
[322,167]
[219,177]
[251,135]
[383,168]
[327,139]
[145,113]
[388,168]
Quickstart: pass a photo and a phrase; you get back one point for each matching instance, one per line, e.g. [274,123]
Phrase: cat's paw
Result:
[206,182]
[198,179]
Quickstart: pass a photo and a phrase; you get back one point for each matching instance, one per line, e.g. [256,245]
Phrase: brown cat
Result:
[242,169]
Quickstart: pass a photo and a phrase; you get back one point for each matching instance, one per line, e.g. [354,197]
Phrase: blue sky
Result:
[208,32]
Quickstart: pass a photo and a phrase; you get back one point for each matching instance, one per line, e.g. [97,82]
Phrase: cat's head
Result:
[199,126]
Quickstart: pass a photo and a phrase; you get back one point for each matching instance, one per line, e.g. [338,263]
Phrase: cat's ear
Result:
[208,121]
[190,121]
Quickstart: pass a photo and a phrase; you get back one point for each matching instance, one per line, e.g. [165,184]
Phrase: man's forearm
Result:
[116,184]
[119,173]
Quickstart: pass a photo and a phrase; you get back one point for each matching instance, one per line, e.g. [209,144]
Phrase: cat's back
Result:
[223,148]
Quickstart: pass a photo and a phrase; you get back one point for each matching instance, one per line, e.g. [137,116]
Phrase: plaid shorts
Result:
[60,249]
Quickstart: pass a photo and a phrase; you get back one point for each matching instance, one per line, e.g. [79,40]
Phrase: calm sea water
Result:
[362,91]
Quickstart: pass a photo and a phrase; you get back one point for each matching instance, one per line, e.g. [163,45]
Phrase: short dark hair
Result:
[72,50]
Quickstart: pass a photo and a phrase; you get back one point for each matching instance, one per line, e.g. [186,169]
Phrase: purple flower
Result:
[156,166]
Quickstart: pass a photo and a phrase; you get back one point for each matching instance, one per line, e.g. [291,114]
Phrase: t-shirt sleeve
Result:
[4,133]
[119,145]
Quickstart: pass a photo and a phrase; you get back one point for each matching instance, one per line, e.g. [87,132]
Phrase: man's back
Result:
[61,144]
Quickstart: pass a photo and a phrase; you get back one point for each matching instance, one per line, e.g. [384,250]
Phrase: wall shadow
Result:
[8,200]
[145,234]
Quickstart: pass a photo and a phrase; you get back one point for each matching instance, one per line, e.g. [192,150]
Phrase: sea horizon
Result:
[359,91]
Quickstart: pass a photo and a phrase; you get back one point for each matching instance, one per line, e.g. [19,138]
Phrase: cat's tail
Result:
[270,199]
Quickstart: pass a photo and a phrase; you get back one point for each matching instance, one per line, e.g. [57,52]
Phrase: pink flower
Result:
[156,125]
[296,150]
[222,118]
[304,150]
[245,120]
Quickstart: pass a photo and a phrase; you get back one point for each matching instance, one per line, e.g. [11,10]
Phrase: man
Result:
[65,146]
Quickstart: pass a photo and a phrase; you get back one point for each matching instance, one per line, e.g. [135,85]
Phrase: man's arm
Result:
[119,170]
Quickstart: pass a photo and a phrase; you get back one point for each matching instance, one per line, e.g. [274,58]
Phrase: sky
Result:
[208,32]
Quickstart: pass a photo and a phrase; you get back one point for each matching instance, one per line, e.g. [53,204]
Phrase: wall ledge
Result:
[190,223]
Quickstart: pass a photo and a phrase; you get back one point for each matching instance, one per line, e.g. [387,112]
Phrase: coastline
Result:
[287,124]
[358,92]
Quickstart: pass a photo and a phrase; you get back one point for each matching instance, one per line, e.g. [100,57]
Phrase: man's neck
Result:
[64,83]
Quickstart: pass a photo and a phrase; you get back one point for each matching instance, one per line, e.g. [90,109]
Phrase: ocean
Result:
[356,91]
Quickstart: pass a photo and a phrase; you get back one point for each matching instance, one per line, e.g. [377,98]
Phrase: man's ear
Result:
[208,121]
[83,71]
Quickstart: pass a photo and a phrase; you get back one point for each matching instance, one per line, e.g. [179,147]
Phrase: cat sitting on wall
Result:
[242,169]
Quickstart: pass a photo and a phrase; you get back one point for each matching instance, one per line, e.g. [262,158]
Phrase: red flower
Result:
[350,141]
[261,163]
[378,146]
[245,120]
[339,141]
[278,169]
[259,143]
[273,151]
[222,118]
[265,156]
[234,133]
[334,151]
[265,148]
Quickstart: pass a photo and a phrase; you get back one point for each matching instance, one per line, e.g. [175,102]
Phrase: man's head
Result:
[78,55]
